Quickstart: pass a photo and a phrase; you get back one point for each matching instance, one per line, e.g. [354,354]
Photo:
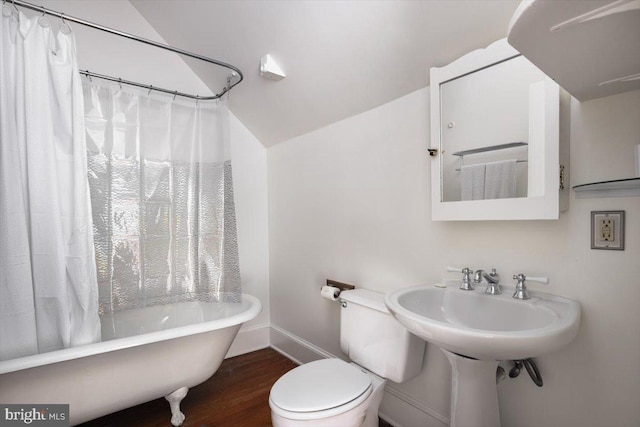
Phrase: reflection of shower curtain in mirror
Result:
[162,197]
[48,291]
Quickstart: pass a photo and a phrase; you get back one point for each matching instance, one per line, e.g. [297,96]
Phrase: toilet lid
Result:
[319,385]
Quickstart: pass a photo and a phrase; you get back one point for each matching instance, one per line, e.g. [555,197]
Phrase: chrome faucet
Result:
[466,279]
[493,280]
[466,284]
[521,287]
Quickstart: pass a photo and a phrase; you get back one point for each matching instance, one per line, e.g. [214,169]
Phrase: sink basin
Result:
[486,327]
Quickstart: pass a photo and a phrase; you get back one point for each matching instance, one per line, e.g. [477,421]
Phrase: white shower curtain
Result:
[162,198]
[48,289]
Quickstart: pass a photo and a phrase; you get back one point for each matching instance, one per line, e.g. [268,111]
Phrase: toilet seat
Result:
[320,389]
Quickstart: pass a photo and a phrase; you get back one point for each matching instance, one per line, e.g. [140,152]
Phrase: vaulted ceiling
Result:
[341,58]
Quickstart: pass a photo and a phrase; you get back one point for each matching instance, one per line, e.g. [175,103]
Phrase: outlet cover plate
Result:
[607,230]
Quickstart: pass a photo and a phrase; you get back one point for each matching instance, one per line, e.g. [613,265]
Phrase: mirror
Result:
[484,122]
[495,126]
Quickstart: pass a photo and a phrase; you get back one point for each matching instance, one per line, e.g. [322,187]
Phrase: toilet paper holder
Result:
[341,287]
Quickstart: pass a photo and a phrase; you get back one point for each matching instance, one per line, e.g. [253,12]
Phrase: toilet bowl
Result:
[332,392]
[327,393]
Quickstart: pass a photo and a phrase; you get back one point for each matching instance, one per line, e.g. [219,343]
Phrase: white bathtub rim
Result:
[36,360]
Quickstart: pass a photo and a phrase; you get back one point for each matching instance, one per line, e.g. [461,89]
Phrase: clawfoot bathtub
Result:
[145,354]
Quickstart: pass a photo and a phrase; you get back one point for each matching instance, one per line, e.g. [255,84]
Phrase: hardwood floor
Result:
[237,395]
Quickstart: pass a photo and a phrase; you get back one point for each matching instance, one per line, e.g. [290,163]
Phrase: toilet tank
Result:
[375,340]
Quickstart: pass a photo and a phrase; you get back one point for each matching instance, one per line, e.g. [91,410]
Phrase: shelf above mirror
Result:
[629,187]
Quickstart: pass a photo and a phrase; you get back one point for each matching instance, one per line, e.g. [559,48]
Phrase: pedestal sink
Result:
[476,331]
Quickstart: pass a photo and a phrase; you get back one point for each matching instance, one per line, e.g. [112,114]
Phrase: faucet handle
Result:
[466,277]
[466,271]
[539,279]
[521,287]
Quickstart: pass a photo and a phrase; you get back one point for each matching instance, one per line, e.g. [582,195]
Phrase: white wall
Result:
[249,159]
[351,202]
[115,56]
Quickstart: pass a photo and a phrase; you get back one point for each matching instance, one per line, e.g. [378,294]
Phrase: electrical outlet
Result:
[607,230]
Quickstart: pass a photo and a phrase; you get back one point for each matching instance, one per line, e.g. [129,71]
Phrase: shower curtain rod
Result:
[235,71]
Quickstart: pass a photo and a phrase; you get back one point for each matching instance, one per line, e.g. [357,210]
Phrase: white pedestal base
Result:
[474,394]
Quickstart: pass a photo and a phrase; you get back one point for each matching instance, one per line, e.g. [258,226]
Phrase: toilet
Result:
[332,392]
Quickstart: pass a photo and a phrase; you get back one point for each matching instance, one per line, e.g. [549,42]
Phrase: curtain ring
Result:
[6,11]
[120,82]
[44,22]
[150,89]
[14,5]
[174,95]
[64,28]
[197,99]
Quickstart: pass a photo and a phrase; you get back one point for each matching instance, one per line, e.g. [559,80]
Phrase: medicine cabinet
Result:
[495,131]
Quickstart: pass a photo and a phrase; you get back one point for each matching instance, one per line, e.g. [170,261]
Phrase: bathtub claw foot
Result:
[174,399]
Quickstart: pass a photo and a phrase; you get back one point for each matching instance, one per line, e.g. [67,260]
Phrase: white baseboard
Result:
[296,348]
[401,410]
[248,340]
[397,408]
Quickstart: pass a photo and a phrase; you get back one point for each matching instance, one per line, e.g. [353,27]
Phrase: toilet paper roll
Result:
[330,292]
